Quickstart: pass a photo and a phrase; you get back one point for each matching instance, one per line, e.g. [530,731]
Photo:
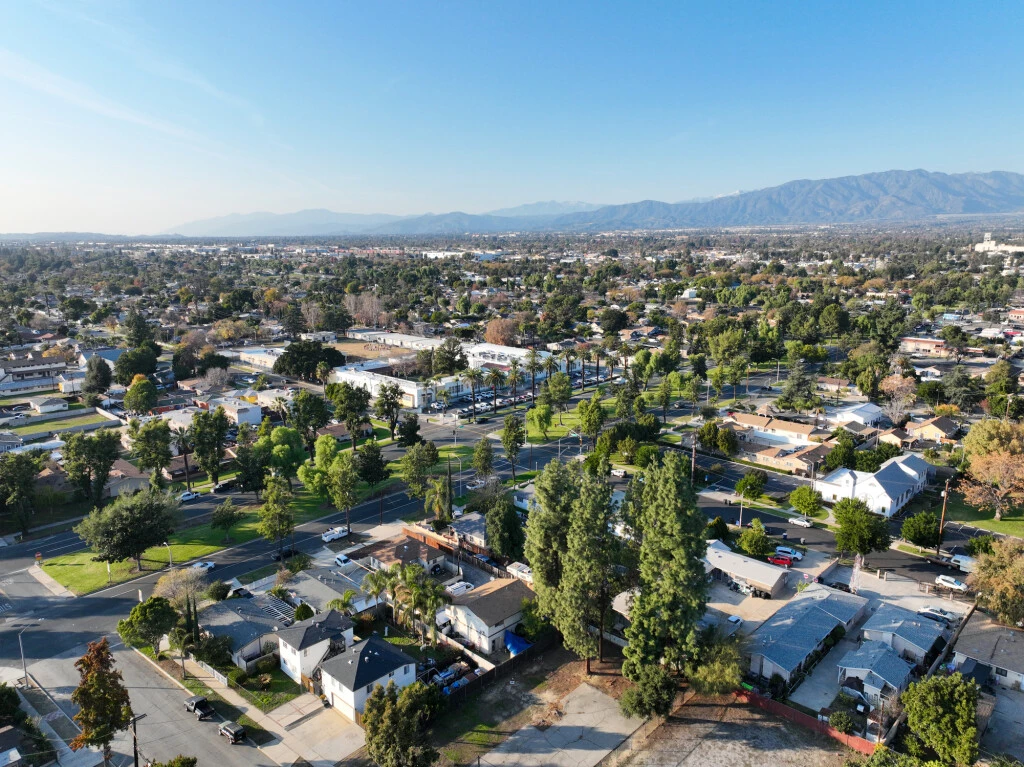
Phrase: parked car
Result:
[234,732]
[937,614]
[840,586]
[286,553]
[334,534]
[225,486]
[341,560]
[964,562]
[204,566]
[187,496]
[786,551]
[801,522]
[780,561]
[735,620]
[949,582]
[475,484]
[436,570]
[199,706]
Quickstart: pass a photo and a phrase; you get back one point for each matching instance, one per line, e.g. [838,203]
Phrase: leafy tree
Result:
[414,468]
[226,516]
[995,483]
[541,417]
[612,321]
[752,484]
[483,457]
[102,699]
[178,761]
[301,359]
[389,405]
[727,442]
[716,669]
[88,460]
[285,450]
[395,734]
[303,611]
[755,541]
[151,444]
[409,430]
[646,455]
[209,431]
[98,375]
[342,480]
[956,341]
[134,362]
[627,449]
[141,396]
[513,437]
[504,530]
[960,388]
[350,407]
[798,390]
[309,414]
[805,500]
[841,721]
[314,473]
[252,462]
[17,487]
[998,578]
[585,588]
[371,466]
[942,711]
[922,529]
[652,693]
[547,530]
[560,389]
[980,544]
[449,358]
[717,529]
[673,586]
[128,526]
[276,516]
[859,531]
[707,435]
[135,329]
[992,436]
[148,622]
[182,587]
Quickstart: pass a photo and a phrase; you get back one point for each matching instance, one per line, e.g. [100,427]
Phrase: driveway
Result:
[591,725]
[1003,735]
[819,689]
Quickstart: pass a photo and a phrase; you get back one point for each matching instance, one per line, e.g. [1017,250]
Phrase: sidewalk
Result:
[47,581]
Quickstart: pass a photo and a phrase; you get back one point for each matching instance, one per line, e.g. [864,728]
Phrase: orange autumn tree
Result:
[996,482]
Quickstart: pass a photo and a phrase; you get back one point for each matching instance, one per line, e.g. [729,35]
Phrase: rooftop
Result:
[495,601]
[911,627]
[880,661]
[365,662]
[319,628]
[986,641]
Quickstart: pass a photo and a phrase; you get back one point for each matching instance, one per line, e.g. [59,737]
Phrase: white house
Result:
[867,414]
[260,357]
[886,491]
[305,644]
[483,614]
[239,411]
[910,635]
[48,404]
[268,397]
[348,678]
[9,441]
[180,419]
[323,336]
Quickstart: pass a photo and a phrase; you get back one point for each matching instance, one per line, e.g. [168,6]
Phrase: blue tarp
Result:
[514,643]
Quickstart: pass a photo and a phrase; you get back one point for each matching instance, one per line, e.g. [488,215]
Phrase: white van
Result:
[444,622]
[460,588]
[964,562]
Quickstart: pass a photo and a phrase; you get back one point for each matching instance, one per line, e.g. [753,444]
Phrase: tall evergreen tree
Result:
[548,529]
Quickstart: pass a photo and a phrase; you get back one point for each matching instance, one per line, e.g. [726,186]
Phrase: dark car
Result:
[839,585]
[286,553]
[199,706]
[233,731]
[225,486]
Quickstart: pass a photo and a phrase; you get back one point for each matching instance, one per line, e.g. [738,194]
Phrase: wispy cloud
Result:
[27,73]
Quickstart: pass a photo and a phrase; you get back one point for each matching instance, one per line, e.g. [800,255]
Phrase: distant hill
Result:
[303,222]
[889,196]
[550,208]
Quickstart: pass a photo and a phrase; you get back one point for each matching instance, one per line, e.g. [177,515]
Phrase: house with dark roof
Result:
[783,643]
[906,632]
[348,678]
[875,670]
[483,614]
[250,624]
[402,550]
[989,652]
[305,644]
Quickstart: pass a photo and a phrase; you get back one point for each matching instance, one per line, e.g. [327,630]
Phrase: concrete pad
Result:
[753,611]
[590,727]
[821,687]
[329,737]
[295,709]
[1003,735]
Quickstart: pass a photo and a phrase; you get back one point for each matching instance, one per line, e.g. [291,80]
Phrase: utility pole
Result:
[135,736]
[693,459]
[942,519]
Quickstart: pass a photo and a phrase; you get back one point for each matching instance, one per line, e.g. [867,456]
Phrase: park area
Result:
[50,427]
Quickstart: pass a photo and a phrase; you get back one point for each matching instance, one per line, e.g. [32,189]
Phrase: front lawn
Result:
[63,423]
[570,422]
[958,510]
[79,573]
[281,689]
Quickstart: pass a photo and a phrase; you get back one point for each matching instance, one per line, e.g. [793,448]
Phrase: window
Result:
[391,674]
[405,670]
[1001,672]
[369,689]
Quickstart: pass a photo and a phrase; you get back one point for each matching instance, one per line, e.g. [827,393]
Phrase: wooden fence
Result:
[502,670]
[855,742]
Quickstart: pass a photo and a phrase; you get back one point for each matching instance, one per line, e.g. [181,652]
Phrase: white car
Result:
[786,551]
[949,582]
[334,534]
[937,614]
[735,620]
[475,484]
[204,566]
[341,560]
[801,522]
[187,496]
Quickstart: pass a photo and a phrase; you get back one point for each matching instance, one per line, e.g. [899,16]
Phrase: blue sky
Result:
[133,117]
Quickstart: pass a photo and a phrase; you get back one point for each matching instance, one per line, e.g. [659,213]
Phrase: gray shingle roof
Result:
[242,620]
[328,625]
[879,659]
[911,627]
[365,662]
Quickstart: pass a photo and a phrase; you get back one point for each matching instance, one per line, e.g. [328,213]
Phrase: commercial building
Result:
[723,563]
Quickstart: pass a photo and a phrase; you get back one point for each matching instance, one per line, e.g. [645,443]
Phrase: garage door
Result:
[343,708]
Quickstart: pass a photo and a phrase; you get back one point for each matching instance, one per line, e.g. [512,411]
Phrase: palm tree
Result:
[428,598]
[625,351]
[533,366]
[586,355]
[445,396]
[281,406]
[569,355]
[514,379]
[376,583]
[406,584]
[598,353]
[472,377]
[550,365]
[344,604]
[323,372]
[437,500]
[181,439]
[495,377]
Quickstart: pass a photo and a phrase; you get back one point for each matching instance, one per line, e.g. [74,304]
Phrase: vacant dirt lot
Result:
[718,732]
[367,351]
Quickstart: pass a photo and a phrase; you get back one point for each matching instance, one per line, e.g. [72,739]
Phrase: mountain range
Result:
[889,196]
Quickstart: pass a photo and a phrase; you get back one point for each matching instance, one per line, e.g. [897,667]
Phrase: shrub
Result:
[266,665]
[279,591]
[299,562]
[646,455]
[841,721]
[776,685]
[717,529]
[303,611]
[218,591]
[270,648]
[980,545]
[238,676]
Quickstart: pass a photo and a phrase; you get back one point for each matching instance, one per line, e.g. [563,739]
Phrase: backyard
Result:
[63,423]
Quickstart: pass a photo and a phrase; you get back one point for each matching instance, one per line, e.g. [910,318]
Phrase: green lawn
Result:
[570,421]
[281,690]
[63,512]
[959,511]
[63,423]
[81,575]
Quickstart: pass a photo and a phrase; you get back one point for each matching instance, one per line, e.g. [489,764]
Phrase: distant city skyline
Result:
[131,118]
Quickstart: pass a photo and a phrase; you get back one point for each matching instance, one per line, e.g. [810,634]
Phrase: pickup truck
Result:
[199,706]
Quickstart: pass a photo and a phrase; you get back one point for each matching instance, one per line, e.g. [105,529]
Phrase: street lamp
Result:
[24,667]
[170,557]
[460,474]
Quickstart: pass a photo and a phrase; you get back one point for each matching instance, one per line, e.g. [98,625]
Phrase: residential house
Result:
[471,532]
[48,404]
[886,491]
[125,479]
[774,431]
[33,372]
[928,373]
[180,419]
[875,670]
[835,385]
[483,614]
[723,563]
[404,551]
[318,586]
[866,413]
[348,678]
[924,347]
[239,411]
[939,429]
[989,651]
[783,643]
[305,644]
[9,441]
[268,398]
[251,624]
[898,437]
[906,632]
[110,356]
[1016,315]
